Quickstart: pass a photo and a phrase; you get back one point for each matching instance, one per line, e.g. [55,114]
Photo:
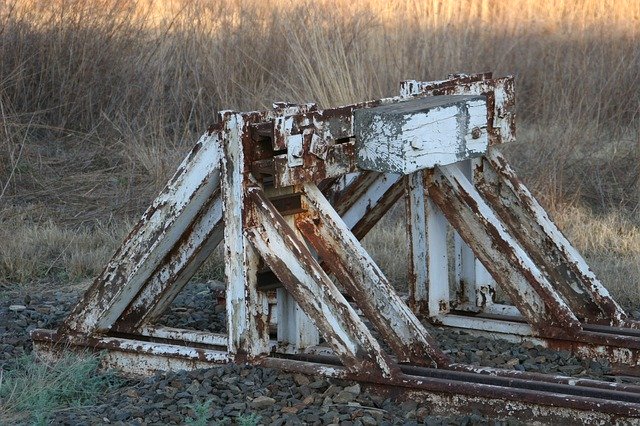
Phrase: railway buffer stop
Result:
[291,191]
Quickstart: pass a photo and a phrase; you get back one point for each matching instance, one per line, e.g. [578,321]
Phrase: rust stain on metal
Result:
[340,159]
[527,220]
[377,211]
[315,293]
[352,193]
[291,153]
[365,283]
[535,300]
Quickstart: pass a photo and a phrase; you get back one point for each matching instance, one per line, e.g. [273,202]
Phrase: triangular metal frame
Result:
[254,182]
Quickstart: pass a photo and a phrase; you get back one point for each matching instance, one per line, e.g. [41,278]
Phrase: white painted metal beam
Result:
[160,228]
[421,133]
[166,282]
[364,282]
[247,308]
[417,235]
[545,243]
[313,290]
[296,331]
[508,263]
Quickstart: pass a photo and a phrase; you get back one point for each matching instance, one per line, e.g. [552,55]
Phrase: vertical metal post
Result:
[485,284]
[416,222]
[429,268]
[437,256]
[465,263]
[247,308]
[295,329]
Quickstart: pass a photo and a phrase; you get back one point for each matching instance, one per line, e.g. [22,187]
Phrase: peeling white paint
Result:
[512,270]
[161,226]
[422,133]
[314,291]
[363,278]
[589,284]
[169,279]
[247,309]
[295,151]
[372,196]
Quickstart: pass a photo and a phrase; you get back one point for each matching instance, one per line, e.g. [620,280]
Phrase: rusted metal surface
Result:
[632,389]
[529,223]
[340,159]
[618,349]
[418,279]
[184,259]
[509,264]
[344,195]
[437,258]
[283,122]
[136,357]
[420,133]
[247,308]
[314,291]
[365,283]
[150,240]
[427,232]
[363,199]
[375,213]
[500,95]
[296,331]
[502,394]
[287,204]
[465,271]
[181,335]
[368,199]
[335,127]
[256,181]
[410,88]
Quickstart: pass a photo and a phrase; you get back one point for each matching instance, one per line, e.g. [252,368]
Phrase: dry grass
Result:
[33,250]
[609,241]
[99,100]
[611,245]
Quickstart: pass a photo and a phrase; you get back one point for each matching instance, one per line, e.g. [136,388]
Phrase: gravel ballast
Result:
[237,394]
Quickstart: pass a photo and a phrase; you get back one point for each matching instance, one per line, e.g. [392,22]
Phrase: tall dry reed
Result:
[99,100]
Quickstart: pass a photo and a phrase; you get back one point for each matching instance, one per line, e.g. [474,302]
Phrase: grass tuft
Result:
[33,250]
[201,413]
[35,389]
[249,419]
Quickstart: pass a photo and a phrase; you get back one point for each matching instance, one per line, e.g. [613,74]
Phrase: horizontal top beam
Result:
[296,144]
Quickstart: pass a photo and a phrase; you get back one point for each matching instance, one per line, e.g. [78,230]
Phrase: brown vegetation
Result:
[99,100]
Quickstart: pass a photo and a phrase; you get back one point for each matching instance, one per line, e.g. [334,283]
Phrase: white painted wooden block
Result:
[422,133]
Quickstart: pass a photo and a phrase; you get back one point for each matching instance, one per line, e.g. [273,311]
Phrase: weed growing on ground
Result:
[34,389]
[201,413]
[252,419]
[249,419]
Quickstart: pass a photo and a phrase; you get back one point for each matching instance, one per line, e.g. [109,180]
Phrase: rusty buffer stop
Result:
[290,192]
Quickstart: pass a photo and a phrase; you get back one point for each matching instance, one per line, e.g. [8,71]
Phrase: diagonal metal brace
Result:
[314,291]
[498,251]
[544,242]
[365,282]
